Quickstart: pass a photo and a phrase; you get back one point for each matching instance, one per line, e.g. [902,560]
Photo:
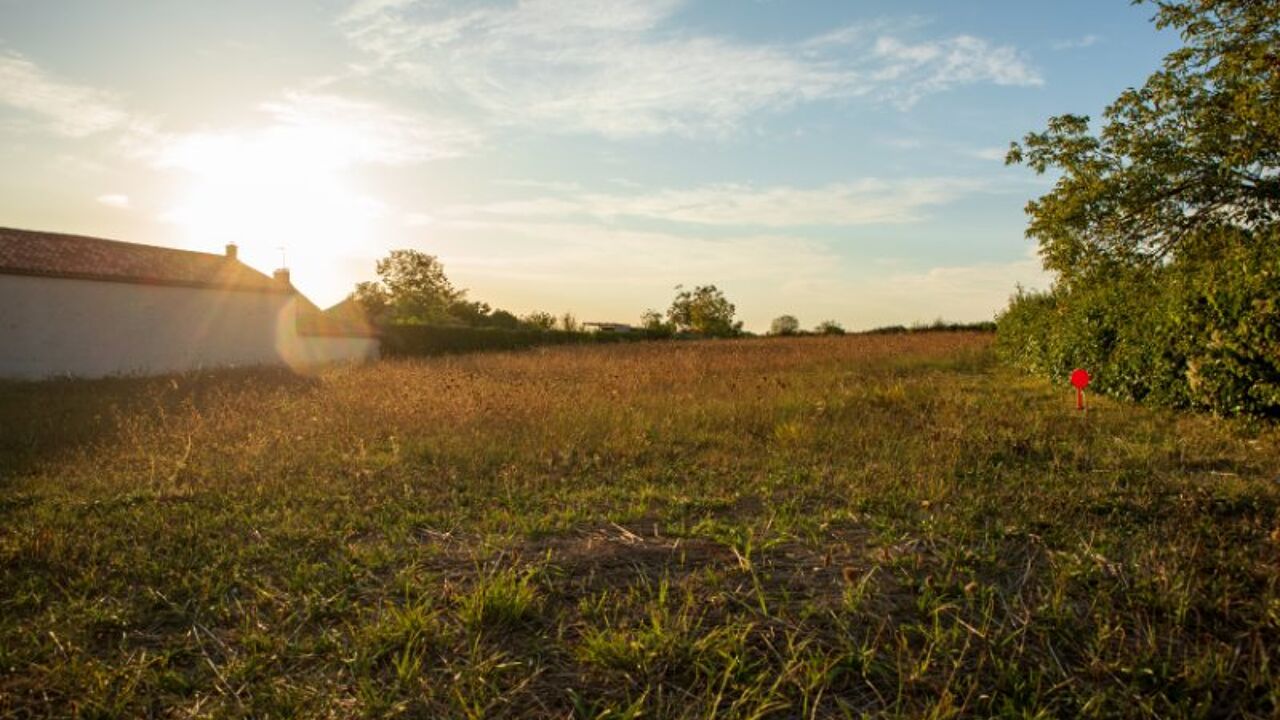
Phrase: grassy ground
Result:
[818,527]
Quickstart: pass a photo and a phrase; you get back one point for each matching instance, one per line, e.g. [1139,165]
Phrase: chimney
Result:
[282,277]
[232,251]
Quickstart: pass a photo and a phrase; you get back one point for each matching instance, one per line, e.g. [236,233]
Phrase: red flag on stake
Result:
[1080,378]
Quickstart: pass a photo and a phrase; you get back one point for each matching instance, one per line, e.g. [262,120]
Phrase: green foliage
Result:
[478,314]
[784,325]
[829,327]
[539,320]
[1196,148]
[1164,227]
[503,319]
[703,310]
[411,288]
[500,600]
[938,325]
[1203,332]
[654,323]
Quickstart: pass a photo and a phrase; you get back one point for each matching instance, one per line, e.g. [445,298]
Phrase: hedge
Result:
[1200,332]
[422,340]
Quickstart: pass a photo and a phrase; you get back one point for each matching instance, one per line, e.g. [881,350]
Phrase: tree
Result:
[784,325]
[1195,149]
[655,323]
[569,323]
[1164,226]
[411,288]
[829,327]
[504,320]
[374,300]
[703,310]
[539,320]
[469,312]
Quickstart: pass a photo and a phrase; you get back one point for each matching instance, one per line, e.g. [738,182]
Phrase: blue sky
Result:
[832,160]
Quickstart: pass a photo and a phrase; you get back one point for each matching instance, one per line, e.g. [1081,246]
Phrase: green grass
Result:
[819,527]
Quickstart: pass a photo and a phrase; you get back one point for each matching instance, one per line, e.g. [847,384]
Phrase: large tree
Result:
[784,325]
[703,310]
[1164,225]
[411,288]
[1195,149]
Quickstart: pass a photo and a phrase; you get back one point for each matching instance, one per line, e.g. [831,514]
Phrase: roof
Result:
[346,319]
[27,252]
[608,325]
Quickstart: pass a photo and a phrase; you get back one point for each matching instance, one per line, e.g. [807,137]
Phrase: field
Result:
[818,527]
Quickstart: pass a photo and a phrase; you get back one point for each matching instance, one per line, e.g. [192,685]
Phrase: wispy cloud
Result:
[69,109]
[994,154]
[1076,43]
[619,68]
[322,131]
[910,71]
[868,201]
[369,132]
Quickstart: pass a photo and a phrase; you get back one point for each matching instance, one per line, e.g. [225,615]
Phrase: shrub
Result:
[1202,331]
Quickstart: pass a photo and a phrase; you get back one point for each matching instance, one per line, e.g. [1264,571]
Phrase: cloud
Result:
[912,71]
[1077,43]
[322,132]
[987,153]
[863,202]
[362,131]
[114,200]
[72,110]
[618,68]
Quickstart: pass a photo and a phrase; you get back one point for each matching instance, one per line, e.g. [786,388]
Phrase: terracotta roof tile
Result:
[26,252]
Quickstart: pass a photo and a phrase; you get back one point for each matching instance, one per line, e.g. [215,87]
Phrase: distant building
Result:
[89,307]
[608,327]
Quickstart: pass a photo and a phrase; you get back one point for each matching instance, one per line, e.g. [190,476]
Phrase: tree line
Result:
[413,289]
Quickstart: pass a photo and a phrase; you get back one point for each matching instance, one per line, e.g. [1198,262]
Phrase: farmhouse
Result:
[88,307]
[609,327]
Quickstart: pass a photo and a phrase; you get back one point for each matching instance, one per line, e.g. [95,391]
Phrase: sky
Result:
[832,160]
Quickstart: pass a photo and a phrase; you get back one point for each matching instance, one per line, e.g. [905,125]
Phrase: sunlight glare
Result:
[287,185]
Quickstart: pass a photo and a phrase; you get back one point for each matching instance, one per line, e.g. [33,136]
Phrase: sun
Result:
[286,186]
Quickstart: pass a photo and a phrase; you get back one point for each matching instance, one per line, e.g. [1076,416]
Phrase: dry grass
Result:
[786,528]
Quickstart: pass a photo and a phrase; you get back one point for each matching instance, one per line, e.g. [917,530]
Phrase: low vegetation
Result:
[821,526]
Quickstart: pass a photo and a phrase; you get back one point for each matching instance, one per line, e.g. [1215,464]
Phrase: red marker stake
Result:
[1080,378]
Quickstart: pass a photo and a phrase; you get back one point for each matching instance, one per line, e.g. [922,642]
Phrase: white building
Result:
[609,327]
[88,307]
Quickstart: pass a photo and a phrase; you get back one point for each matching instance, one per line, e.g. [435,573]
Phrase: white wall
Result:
[307,350]
[86,328]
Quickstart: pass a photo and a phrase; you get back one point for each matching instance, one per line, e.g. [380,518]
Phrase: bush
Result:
[1202,331]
